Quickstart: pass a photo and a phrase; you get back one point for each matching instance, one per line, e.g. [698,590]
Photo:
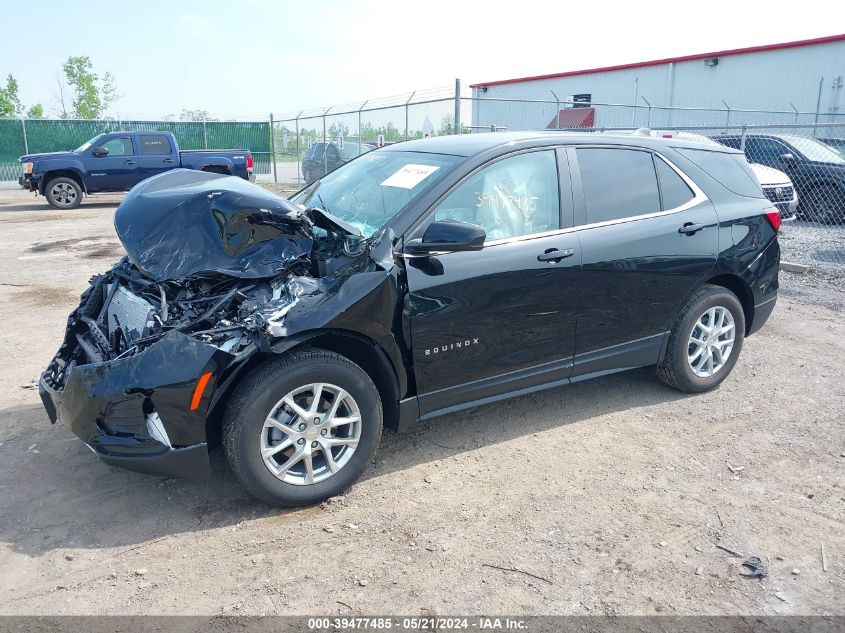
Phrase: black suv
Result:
[417,280]
[816,170]
[323,158]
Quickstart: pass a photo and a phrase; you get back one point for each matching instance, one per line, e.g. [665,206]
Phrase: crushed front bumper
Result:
[137,412]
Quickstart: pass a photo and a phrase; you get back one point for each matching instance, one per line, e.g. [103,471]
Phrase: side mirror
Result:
[101,151]
[787,158]
[447,236]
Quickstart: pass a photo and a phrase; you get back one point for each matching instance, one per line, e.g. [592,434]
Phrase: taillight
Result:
[773,215]
[249,162]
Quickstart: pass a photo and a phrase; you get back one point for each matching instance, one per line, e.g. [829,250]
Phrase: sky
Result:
[247,58]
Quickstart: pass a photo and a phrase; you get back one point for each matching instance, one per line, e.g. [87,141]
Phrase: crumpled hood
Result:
[183,223]
[31,158]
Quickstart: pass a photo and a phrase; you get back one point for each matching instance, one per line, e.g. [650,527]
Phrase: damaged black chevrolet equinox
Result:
[416,280]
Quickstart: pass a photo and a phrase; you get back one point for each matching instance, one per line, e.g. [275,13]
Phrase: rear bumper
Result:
[762,277]
[762,312]
[135,412]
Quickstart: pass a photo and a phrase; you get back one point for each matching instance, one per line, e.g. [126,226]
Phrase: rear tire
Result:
[705,341]
[276,438]
[63,193]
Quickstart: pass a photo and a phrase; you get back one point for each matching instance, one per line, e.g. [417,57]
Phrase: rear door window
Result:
[617,183]
[154,145]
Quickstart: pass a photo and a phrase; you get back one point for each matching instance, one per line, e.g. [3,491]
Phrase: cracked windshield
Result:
[370,190]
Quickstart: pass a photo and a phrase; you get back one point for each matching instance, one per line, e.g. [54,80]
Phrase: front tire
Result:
[63,193]
[705,341]
[302,428]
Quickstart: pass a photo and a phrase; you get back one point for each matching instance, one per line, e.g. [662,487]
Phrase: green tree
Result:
[338,129]
[35,111]
[195,115]
[391,133]
[10,103]
[92,94]
[447,126]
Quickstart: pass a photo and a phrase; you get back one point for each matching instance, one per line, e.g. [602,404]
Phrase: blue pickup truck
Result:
[118,161]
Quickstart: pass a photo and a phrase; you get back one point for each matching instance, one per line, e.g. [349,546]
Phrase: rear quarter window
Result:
[731,170]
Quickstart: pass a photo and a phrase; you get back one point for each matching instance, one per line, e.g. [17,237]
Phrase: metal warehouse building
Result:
[793,82]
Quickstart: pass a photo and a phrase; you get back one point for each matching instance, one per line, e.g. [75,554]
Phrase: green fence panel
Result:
[51,135]
[11,146]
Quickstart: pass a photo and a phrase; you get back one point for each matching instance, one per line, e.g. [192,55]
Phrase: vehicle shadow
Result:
[55,494]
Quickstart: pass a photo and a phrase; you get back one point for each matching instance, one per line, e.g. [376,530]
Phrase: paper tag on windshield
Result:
[409,176]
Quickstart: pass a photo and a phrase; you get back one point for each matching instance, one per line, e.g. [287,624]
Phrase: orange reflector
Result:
[199,389]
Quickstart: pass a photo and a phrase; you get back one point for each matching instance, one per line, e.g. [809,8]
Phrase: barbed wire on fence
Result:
[298,147]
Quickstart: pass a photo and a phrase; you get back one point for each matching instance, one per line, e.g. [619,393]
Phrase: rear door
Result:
[156,155]
[648,237]
[501,319]
[117,170]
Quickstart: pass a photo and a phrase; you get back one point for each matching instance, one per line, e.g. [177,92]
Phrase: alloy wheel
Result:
[63,194]
[310,434]
[711,341]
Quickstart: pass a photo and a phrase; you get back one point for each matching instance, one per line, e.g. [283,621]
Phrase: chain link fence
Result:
[799,157]
[31,136]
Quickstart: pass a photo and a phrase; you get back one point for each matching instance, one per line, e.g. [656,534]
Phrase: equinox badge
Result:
[451,346]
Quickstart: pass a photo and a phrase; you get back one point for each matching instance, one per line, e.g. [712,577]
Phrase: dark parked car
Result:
[417,280]
[118,161]
[817,171]
[323,158]
[836,143]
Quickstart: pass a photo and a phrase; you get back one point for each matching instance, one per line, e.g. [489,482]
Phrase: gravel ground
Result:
[605,497]
[816,245]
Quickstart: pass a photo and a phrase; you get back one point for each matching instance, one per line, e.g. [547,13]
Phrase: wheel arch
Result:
[217,169]
[739,287]
[364,352]
[61,173]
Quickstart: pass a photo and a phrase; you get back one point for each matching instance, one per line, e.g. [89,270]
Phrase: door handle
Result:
[129,162]
[555,255]
[691,229]
[169,161]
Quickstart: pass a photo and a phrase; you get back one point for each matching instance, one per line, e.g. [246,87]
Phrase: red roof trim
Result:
[657,62]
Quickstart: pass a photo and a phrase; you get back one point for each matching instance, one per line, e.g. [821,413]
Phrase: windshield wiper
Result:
[323,204]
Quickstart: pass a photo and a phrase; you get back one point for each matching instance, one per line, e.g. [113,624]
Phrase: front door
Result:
[501,319]
[115,171]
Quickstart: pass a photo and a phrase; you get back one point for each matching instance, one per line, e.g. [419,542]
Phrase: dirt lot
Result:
[607,497]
